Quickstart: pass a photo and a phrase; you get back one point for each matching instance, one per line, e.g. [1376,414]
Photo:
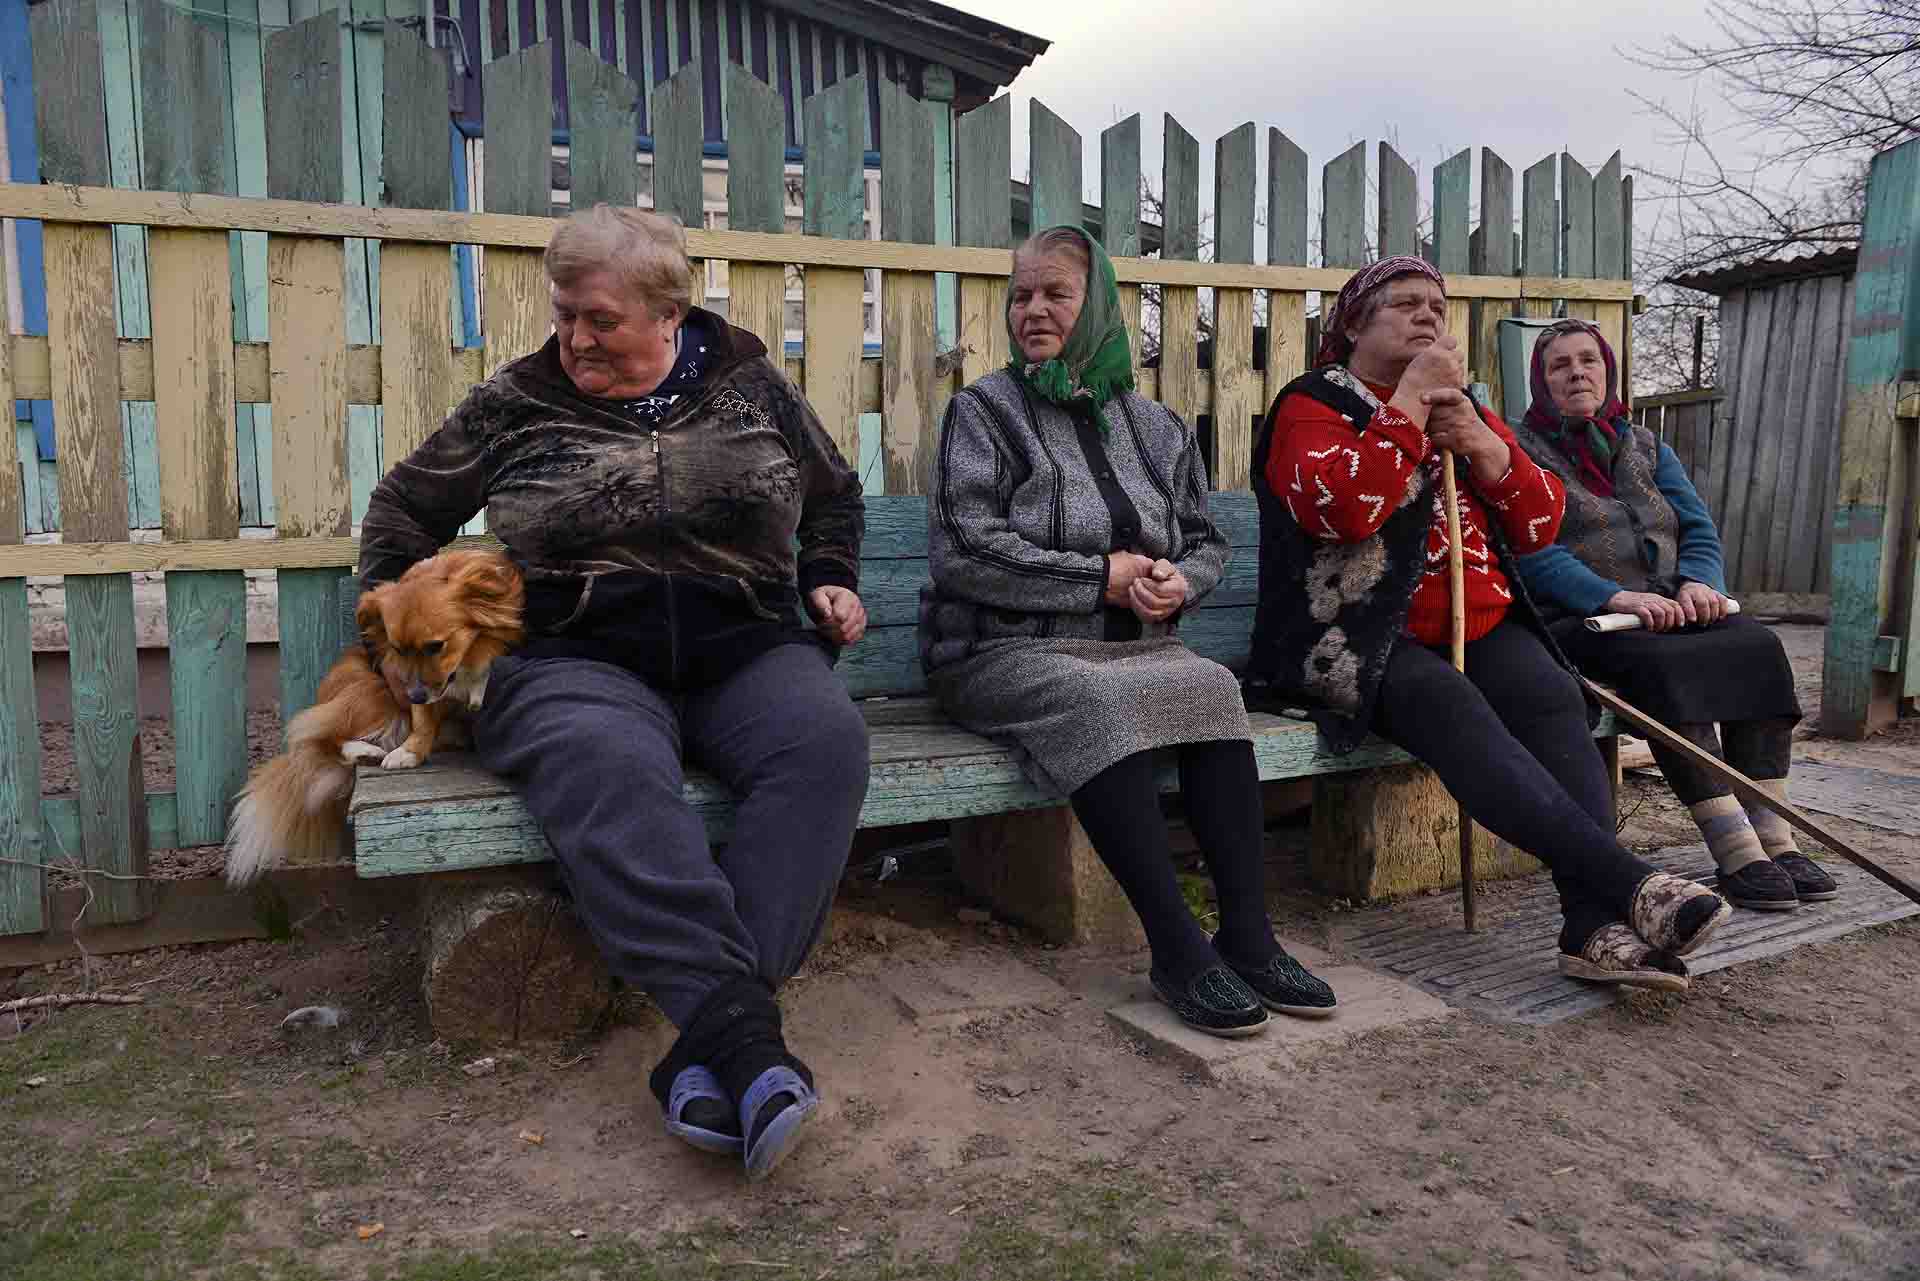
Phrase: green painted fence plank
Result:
[1120,187]
[983,168]
[1054,169]
[1235,175]
[1495,242]
[416,157]
[1452,183]
[519,148]
[756,154]
[1343,219]
[678,138]
[1399,205]
[1179,193]
[1626,226]
[60,824]
[1286,201]
[22,889]
[1576,214]
[835,180]
[303,142]
[1867,534]
[186,138]
[1539,221]
[1609,222]
[69,90]
[602,106]
[309,613]
[254,423]
[207,650]
[106,746]
[906,167]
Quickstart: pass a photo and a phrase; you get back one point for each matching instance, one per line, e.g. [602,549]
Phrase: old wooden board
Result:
[22,884]
[199,498]
[1343,223]
[602,119]
[1399,205]
[1508,971]
[1054,160]
[1120,215]
[834,204]
[416,160]
[1539,221]
[756,201]
[518,178]
[416,346]
[909,341]
[1874,798]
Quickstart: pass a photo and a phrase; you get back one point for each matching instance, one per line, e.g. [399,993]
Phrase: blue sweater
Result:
[1557,575]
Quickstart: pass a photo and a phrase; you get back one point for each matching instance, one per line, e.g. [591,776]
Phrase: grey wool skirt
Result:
[1074,707]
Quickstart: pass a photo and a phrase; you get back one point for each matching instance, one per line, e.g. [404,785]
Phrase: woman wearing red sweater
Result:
[1354,614]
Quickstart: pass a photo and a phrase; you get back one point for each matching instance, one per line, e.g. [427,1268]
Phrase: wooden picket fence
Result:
[196,376]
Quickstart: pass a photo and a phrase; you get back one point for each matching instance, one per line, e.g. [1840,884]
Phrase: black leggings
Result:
[1510,740]
[1220,783]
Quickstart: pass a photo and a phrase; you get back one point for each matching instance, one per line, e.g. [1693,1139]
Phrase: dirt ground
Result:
[1765,1125]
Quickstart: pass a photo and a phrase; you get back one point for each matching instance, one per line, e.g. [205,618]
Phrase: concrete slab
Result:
[1369,1001]
[968,985]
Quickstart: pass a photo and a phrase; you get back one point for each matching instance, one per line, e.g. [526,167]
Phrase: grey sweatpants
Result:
[596,754]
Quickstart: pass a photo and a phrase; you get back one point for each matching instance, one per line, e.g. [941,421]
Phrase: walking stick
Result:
[1749,792]
[1457,598]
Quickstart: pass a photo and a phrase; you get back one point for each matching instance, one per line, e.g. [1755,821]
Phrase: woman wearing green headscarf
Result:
[1067,531]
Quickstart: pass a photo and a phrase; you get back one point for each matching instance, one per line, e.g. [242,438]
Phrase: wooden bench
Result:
[1381,825]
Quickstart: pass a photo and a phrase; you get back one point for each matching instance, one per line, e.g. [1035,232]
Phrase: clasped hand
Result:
[1153,589]
[1433,380]
[838,613]
[1696,603]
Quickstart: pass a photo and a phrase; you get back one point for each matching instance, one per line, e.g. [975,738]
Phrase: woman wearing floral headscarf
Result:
[1354,615]
[1638,540]
[1067,532]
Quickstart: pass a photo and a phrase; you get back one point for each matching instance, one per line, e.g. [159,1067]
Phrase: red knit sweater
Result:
[1342,485]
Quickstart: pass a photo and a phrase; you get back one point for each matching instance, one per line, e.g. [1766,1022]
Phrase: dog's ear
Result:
[372,623]
[490,588]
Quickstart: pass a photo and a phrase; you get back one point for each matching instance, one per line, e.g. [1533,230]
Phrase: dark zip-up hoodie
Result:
[670,549]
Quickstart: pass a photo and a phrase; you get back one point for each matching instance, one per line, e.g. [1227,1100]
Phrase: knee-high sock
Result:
[1775,833]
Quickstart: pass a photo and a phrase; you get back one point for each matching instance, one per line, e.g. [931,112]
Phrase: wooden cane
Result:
[1457,598]
[1749,792]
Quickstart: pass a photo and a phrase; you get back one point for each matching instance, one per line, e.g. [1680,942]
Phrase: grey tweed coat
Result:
[1015,636]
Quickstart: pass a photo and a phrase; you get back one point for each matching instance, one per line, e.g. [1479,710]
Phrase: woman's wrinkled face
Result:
[1047,293]
[611,342]
[1576,375]
[1411,317]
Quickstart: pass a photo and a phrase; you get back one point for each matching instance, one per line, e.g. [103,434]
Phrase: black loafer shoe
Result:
[1810,880]
[1287,987]
[1216,1001]
[1763,886]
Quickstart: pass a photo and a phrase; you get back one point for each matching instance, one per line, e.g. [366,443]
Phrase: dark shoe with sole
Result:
[1761,885]
[1810,880]
[1674,914]
[1216,1001]
[1285,986]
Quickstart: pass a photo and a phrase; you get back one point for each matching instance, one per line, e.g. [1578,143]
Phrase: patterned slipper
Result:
[699,1112]
[1811,884]
[1285,986]
[1615,954]
[1675,914]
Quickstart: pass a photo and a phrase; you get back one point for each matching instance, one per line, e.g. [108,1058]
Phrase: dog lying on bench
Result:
[428,640]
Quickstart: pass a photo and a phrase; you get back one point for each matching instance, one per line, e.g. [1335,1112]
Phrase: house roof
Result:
[986,53]
[1771,270]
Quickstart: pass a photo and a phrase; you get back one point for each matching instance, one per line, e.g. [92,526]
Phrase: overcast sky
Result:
[1526,79]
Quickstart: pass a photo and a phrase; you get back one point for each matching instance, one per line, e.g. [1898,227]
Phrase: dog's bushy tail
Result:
[293,809]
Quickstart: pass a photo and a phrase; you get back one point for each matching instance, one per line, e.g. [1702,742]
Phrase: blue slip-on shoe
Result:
[769,1141]
[699,1112]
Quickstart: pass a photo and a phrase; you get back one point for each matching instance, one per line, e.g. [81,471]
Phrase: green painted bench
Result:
[1381,825]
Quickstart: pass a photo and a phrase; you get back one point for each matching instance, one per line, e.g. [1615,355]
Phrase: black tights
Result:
[1120,809]
[1510,740]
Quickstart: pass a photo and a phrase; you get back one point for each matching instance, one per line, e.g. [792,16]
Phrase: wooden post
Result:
[1490,253]
[834,336]
[756,201]
[1287,353]
[1120,214]
[1180,304]
[908,349]
[1874,517]
[1234,393]
[1039,868]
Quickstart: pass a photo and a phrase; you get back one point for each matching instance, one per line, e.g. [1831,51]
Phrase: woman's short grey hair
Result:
[646,251]
[1054,242]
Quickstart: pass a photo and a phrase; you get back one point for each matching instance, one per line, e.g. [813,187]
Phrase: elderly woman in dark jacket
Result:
[649,469]
[1068,531]
[1637,540]
[1354,613]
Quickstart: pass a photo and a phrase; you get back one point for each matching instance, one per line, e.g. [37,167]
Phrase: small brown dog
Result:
[430,637]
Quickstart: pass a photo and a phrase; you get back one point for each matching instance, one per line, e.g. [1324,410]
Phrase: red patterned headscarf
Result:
[1335,346]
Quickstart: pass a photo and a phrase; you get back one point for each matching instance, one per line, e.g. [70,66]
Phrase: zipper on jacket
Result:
[673,622]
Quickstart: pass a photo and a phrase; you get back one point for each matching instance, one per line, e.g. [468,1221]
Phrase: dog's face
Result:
[455,611]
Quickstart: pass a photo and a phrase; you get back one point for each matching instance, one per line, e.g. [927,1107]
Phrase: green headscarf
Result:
[1096,362]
